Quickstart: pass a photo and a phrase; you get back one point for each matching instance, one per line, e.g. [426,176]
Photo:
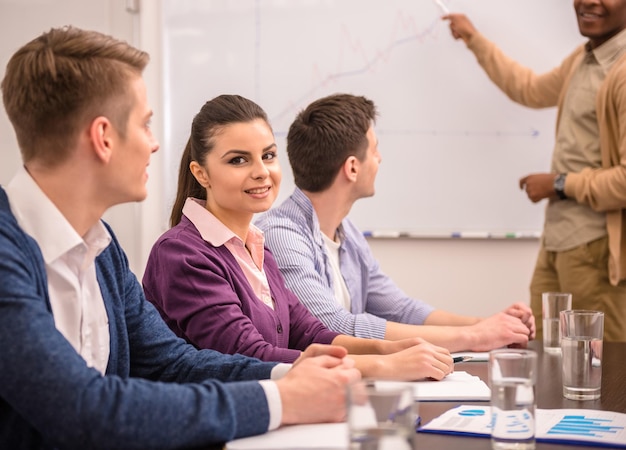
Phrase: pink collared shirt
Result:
[249,254]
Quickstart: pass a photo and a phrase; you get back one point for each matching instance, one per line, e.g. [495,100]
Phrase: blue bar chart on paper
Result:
[586,425]
[568,426]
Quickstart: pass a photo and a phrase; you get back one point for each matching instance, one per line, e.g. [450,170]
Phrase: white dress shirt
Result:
[75,297]
[339,284]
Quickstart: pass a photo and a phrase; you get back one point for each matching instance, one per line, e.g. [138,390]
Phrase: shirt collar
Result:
[213,230]
[305,204]
[40,218]
[610,51]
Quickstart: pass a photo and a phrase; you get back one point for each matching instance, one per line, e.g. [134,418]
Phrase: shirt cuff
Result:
[279,371]
[274,403]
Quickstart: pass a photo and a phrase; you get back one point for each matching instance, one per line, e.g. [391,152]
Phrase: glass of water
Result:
[381,416]
[512,378]
[582,334]
[552,305]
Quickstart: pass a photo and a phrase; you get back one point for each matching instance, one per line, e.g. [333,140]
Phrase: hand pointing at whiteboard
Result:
[585,183]
[460,26]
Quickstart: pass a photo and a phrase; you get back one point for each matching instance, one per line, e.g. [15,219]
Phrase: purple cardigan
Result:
[204,296]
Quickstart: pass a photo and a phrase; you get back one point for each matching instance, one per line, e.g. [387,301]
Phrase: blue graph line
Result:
[360,71]
[369,63]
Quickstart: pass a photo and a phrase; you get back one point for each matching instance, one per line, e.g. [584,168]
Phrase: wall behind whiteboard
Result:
[453,146]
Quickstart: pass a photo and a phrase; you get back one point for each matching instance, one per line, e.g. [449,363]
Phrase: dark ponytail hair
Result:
[214,115]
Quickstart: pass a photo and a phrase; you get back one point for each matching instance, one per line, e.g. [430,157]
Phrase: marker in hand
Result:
[460,359]
[442,6]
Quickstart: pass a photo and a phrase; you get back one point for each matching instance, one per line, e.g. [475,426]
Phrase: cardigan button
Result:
[279,328]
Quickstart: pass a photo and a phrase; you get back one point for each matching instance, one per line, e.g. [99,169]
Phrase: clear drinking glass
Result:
[512,378]
[582,334]
[552,304]
[381,418]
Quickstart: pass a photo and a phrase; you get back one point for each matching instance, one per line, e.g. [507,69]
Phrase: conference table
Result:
[549,394]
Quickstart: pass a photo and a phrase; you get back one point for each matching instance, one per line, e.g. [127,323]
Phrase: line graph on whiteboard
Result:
[453,146]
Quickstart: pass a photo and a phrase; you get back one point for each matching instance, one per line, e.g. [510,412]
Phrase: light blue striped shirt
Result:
[293,234]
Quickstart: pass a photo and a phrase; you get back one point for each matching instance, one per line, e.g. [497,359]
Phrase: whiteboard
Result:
[453,146]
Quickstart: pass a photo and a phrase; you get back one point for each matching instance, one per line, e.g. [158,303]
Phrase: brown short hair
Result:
[61,81]
[324,135]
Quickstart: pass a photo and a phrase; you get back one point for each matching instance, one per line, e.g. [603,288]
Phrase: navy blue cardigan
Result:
[158,392]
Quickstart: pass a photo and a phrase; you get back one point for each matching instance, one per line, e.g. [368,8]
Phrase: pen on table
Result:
[418,422]
[442,6]
[460,359]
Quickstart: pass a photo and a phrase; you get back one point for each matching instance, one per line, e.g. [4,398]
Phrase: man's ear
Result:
[351,168]
[101,134]
[200,174]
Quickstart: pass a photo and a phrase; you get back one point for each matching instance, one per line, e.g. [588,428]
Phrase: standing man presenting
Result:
[583,248]
[326,261]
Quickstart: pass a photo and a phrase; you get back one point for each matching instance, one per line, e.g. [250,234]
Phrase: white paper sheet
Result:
[325,436]
[458,386]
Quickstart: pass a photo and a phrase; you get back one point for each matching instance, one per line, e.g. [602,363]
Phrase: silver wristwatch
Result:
[559,186]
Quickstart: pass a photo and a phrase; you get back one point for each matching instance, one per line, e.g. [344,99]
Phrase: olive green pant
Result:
[582,271]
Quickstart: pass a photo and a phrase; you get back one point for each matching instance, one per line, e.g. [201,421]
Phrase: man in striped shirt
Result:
[326,261]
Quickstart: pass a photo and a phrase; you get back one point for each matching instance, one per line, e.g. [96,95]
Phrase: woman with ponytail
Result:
[212,279]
